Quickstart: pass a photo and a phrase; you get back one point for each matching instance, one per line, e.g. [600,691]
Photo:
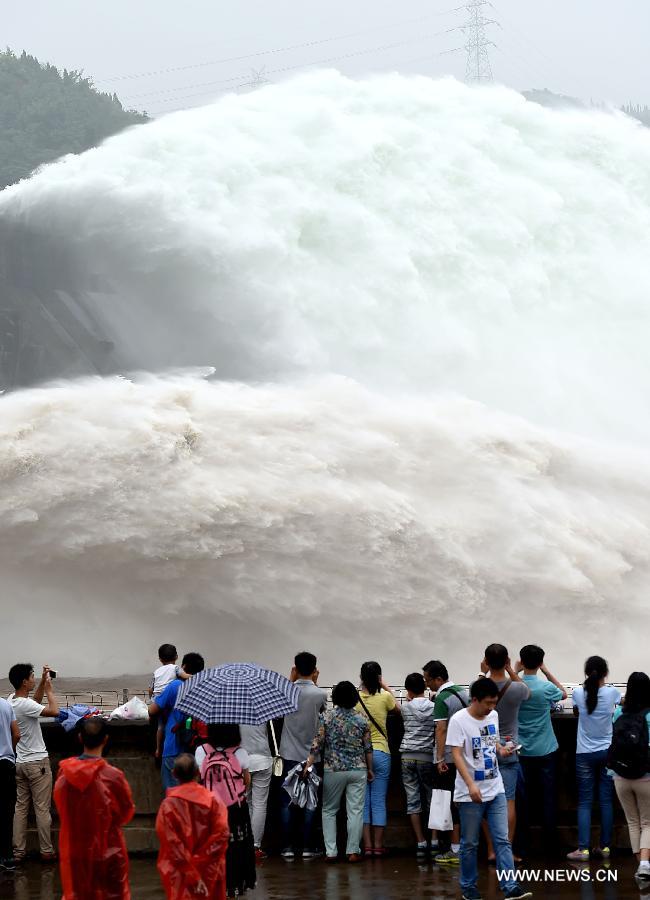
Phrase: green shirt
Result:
[444,707]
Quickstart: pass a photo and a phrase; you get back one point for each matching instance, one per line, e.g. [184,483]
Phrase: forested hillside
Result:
[45,113]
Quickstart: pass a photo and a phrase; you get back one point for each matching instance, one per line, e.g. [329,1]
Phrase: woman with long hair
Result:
[376,701]
[634,793]
[594,704]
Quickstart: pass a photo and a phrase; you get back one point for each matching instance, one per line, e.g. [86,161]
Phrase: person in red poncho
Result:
[192,827]
[94,801]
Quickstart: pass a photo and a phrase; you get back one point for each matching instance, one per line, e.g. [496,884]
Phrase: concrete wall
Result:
[131,749]
[132,745]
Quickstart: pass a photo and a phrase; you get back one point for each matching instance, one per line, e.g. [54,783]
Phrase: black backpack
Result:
[628,754]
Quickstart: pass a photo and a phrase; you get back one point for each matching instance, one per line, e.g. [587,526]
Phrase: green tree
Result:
[45,113]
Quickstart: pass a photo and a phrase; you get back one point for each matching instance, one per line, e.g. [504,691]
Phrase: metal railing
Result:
[107,701]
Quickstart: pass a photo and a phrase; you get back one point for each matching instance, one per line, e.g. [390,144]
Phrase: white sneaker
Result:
[643,872]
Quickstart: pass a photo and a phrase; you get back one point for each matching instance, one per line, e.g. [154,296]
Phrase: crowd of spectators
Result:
[472,759]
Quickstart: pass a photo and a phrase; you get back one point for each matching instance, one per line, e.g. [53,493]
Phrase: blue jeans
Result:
[166,775]
[289,815]
[471,816]
[374,809]
[511,776]
[591,769]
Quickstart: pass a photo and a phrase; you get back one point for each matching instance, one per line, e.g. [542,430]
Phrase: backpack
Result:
[222,775]
[628,754]
[191,733]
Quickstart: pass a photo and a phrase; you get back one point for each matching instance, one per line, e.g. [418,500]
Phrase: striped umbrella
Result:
[244,693]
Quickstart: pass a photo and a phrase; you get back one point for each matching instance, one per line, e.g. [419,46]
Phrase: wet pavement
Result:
[386,879]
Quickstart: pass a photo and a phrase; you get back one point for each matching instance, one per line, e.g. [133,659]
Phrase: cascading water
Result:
[425,312]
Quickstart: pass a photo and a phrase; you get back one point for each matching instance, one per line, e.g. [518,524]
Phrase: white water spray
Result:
[427,310]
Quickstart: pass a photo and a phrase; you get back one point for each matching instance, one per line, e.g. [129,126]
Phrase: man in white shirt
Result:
[9,737]
[33,770]
[473,735]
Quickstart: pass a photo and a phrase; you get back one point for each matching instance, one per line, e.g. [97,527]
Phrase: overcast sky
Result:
[587,48]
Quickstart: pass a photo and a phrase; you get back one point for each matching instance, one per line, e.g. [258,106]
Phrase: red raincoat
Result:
[192,827]
[94,801]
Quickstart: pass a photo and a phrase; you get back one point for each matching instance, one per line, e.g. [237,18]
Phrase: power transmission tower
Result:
[258,78]
[478,69]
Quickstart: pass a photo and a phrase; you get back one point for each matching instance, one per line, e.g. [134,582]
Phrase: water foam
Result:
[426,308]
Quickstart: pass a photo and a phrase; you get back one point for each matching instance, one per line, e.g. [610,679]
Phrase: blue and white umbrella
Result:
[244,693]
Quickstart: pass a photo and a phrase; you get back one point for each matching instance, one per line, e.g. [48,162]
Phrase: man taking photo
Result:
[33,769]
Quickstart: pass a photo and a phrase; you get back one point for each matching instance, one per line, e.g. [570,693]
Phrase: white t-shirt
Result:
[479,739]
[240,753]
[163,676]
[31,746]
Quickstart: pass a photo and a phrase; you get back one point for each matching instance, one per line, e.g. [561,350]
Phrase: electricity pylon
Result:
[478,69]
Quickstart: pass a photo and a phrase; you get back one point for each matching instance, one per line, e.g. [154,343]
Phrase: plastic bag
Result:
[134,709]
[440,812]
[303,791]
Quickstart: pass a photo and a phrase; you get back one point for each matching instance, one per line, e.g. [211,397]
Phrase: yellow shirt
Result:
[378,705]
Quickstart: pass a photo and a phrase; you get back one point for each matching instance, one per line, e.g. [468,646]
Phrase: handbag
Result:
[278,765]
[440,811]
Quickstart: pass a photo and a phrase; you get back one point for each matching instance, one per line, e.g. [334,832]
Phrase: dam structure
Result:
[354,363]
[47,325]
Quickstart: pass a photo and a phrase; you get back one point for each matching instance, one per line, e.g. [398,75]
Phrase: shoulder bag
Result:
[278,765]
[373,720]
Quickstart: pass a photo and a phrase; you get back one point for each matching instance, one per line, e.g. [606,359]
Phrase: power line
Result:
[246,83]
[318,62]
[530,72]
[509,25]
[312,43]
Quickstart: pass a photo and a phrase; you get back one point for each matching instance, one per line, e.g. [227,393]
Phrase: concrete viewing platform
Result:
[131,749]
[398,875]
